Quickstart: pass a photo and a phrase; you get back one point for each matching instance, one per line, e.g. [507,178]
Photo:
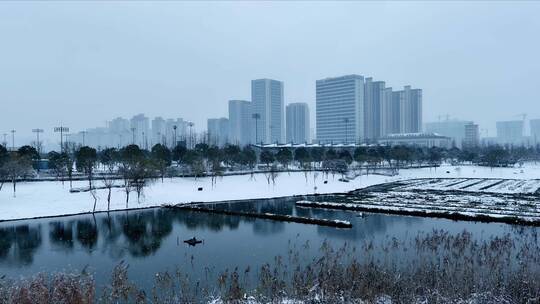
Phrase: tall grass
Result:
[434,267]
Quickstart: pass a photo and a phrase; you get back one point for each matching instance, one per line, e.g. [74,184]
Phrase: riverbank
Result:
[48,199]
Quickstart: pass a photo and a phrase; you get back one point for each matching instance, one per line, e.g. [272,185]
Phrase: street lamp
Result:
[133,135]
[83,136]
[61,129]
[175,142]
[38,143]
[13,139]
[5,140]
[190,124]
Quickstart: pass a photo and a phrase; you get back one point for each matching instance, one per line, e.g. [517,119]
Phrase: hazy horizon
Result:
[82,63]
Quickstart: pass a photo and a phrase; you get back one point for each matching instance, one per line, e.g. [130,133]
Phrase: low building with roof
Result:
[427,140]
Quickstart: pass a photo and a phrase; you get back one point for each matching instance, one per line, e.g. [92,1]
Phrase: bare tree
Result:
[17,167]
[109,159]
[93,192]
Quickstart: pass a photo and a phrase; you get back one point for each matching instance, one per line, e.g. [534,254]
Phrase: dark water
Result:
[150,240]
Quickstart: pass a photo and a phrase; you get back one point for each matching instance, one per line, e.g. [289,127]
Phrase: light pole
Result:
[190,124]
[175,140]
[145,141]
[133,136]
[66,141]
[61,129]
[256,116]
[38,143]
[83,136]
[5,140]
[13,139]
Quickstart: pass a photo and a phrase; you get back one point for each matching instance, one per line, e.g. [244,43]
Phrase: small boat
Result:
[193,241]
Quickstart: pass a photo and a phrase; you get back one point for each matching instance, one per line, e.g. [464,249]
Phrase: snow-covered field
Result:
[42,199]
[484,185]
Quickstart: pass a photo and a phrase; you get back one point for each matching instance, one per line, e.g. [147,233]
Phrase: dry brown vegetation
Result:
[435,267]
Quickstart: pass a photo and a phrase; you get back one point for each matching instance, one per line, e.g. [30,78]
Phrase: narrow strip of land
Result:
[271,216]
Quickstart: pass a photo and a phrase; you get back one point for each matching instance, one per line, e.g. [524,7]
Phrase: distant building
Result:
[410,110]
[99,138]
[472,136]
[535,131]
[268,105]
[119,131]
[340,109]
[455,129]
[510,132]
[426,140]
[241,122]
[374,97]
[297,123]
[119,125]
[218,131]
[158,131]
[140,127]
[390,115]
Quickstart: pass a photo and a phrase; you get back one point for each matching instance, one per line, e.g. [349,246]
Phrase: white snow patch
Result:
[42,199]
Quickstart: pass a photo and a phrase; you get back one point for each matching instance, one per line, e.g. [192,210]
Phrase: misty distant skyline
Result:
[82,63]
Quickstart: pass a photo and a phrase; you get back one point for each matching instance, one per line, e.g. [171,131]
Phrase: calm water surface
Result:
[151,240]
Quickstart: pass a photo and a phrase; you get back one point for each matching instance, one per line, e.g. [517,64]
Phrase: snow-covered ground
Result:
[42,199]
[485,185]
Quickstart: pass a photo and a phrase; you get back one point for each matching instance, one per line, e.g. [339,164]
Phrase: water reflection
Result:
[143,234]
[61,235]
[19,243]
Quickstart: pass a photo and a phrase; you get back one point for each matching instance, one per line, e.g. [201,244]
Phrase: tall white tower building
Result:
[410,109]
[340,109]
[268,108]
[218,131]
[241,124]
[297,123]
[374,96]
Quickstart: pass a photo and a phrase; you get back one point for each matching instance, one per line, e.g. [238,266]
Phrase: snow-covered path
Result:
[42,199]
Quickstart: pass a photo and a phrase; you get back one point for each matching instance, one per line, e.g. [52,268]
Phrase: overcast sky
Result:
[82,63]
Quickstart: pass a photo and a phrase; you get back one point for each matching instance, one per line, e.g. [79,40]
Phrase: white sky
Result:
[82,63]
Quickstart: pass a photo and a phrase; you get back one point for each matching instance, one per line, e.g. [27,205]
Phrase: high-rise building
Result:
[158,130]
[340,109]
[140,126]
[297,123]
[241,122]
[472,135]
[218,131]
[510,132]
[119,125]
[389,113]
[374,97]
[268,108]
[535,131]
[120,133]
[455,129]
[410,109]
